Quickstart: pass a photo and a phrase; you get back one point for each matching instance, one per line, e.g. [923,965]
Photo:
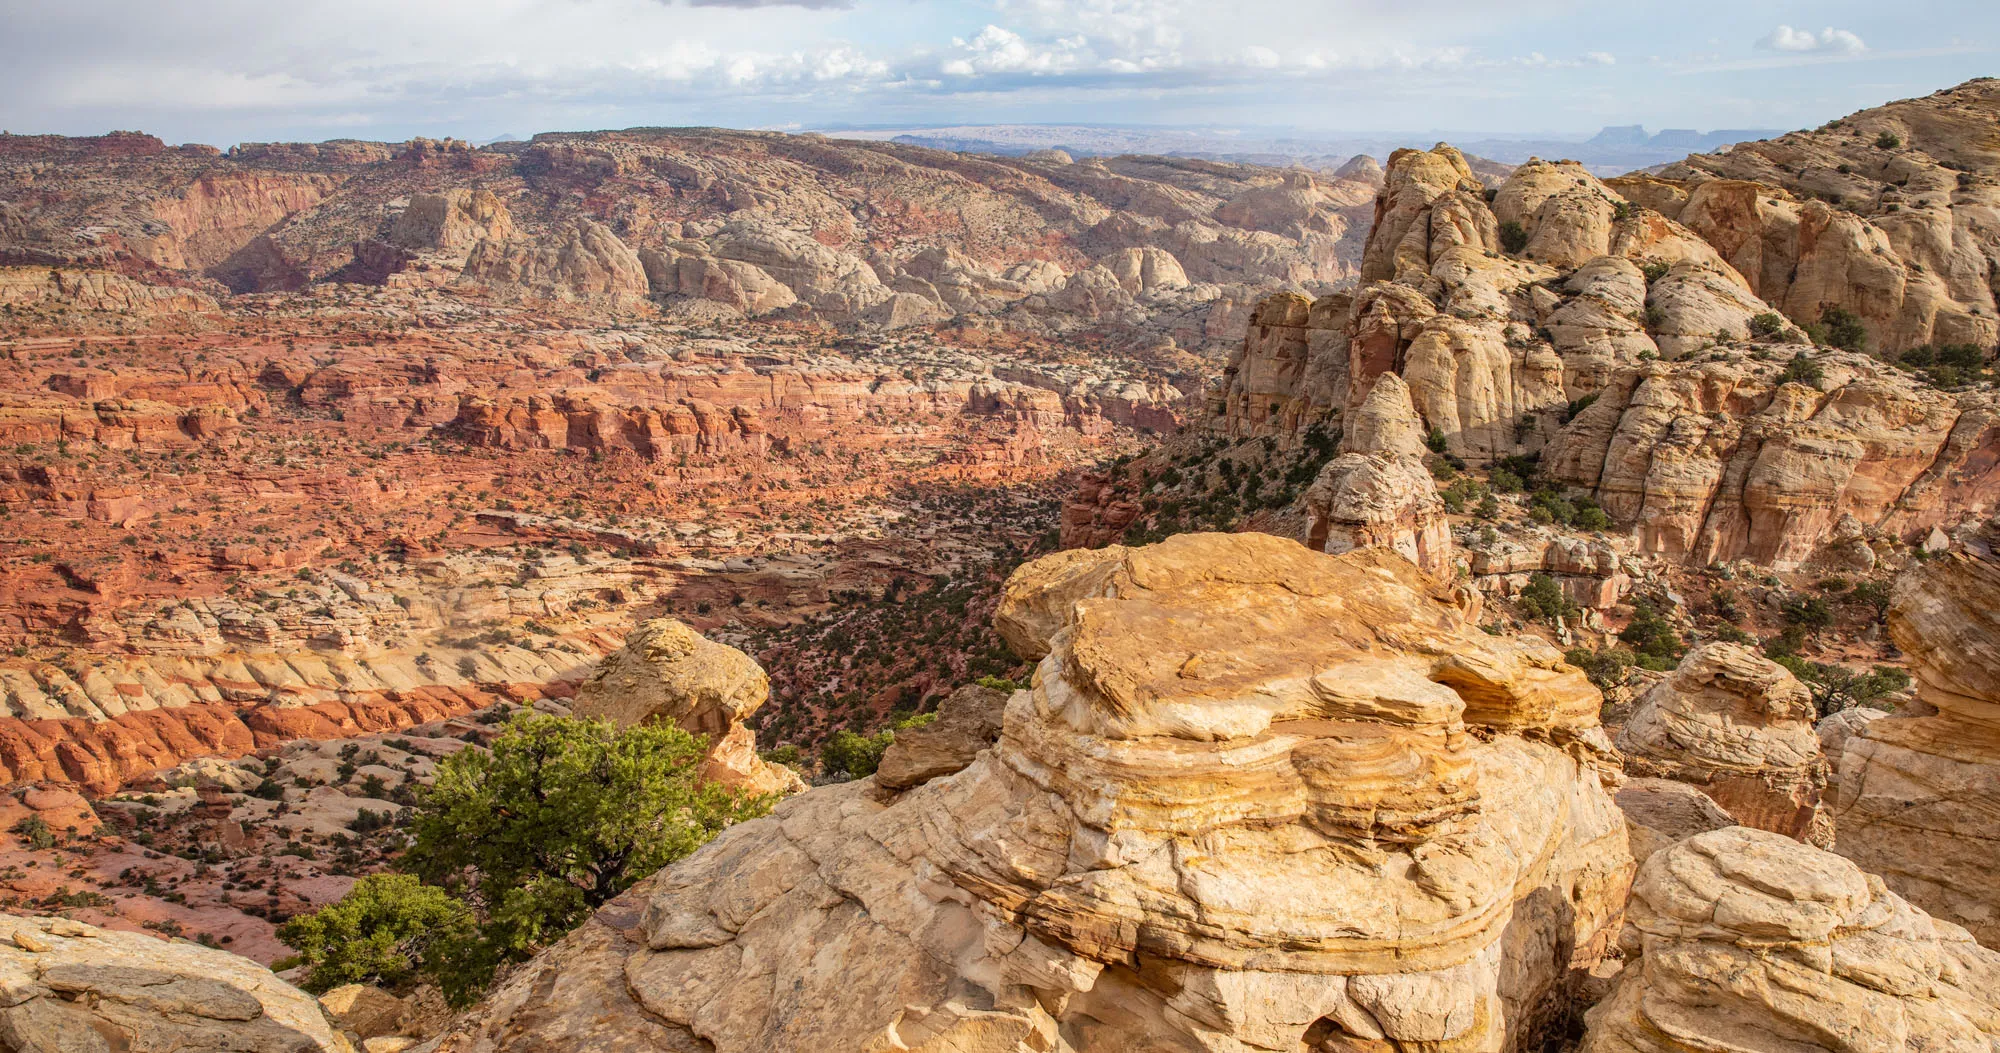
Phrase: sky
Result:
[228,71]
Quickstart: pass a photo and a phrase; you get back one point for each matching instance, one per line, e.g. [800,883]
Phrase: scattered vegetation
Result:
[1948,365]
[1651,636]
[1544,598]
[1801,370]
[1607,668]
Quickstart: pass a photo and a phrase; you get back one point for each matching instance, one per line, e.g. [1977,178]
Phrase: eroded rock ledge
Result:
[1257,798]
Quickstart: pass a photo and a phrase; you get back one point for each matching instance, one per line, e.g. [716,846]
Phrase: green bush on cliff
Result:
[386,930]
[559,817]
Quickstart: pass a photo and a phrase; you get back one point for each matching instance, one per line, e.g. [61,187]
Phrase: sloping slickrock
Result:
[1741,727]
[1259,798]
[1919,791]
[668,672]
[72,988]
[1745,940]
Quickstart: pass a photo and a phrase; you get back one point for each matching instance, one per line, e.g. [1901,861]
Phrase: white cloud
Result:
[1600,58]
[997,50]
[1260,57]
[1828,41]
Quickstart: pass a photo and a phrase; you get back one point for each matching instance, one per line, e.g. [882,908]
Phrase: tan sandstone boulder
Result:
[1742,728]
[1919,790]
[1741,939]
[1258,798]
[369,1012]
[668,672]
[66,986]
[967,721]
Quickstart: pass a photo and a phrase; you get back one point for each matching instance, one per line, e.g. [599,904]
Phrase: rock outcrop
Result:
[71,986]
[1742,728]
[583,260]
[1378,492]
[452,221]
[68,288]
[668,672]
[1741,939]
[1257,798]
[1919,790]
[1675,303]
[1886,213]
[968,720]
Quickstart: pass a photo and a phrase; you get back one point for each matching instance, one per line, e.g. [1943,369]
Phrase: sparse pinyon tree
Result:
[516,846]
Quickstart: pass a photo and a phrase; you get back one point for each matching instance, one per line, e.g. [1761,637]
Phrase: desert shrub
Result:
[1873,594]
[1947,365]
[35,831]
[856,755]
[1544,598]
[1466,491]
[1802,369]
[1767,324]
[1811,613]
[1607,668]
[1840,328]
[1836,687]
[1578,405]
[1652,638]
[1513,237]
[1888,141]
[386,930]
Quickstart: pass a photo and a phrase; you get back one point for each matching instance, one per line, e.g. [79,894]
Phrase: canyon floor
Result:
[314,524]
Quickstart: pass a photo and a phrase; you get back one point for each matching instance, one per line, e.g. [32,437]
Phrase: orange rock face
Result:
[101,756]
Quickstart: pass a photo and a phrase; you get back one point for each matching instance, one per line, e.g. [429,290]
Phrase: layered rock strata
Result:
[1722,460]
[1918,798]
[1740,939]
[1258,798]
[1742,728]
